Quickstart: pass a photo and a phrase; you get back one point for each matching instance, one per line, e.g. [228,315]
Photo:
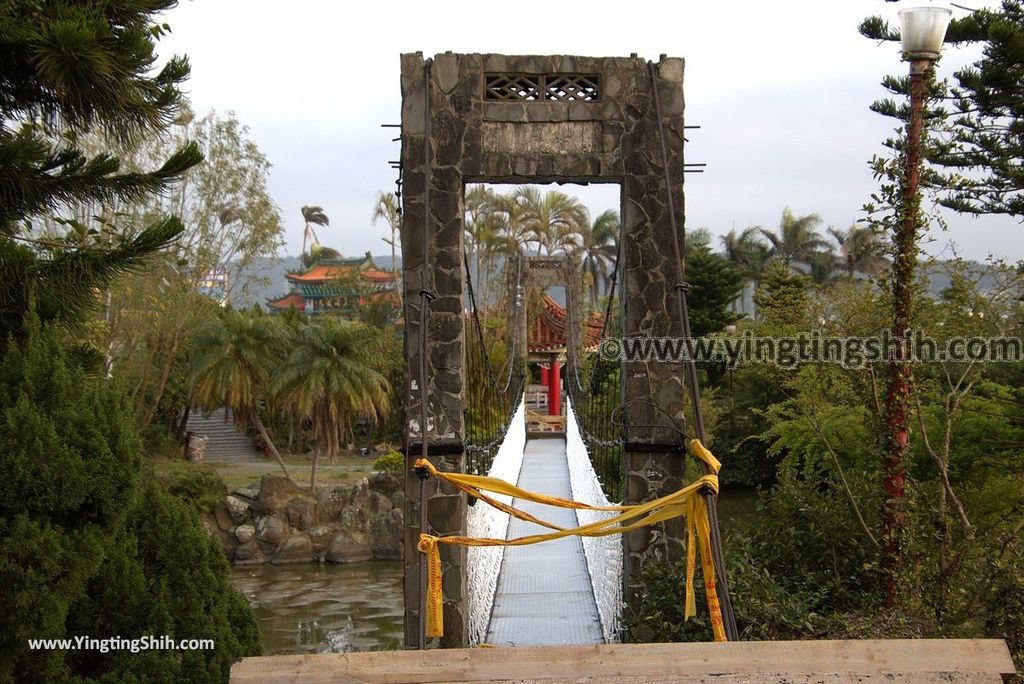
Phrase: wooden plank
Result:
[969,659]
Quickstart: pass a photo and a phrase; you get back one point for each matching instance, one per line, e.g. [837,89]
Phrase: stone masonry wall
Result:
[281,523]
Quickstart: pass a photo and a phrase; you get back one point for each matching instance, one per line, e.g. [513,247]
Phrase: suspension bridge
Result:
[531,512]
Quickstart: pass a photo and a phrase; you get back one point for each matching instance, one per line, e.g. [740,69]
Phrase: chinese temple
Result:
[547,346]
[336,285]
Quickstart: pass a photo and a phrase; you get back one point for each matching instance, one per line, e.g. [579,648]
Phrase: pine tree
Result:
[84,551]
[716,284]
[70,459]
[989,126]
[68,68]
[974,165]
[782,296]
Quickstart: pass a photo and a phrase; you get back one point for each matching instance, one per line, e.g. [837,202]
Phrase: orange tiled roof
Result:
[321,273]
[318,274]
[548,333]
[288,301]
[377,276]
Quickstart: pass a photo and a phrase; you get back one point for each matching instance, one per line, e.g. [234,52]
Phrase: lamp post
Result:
[922,31]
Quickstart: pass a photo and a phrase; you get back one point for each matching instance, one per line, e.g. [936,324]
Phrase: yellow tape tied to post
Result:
[686,502]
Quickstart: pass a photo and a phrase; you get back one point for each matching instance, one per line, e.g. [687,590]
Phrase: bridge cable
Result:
[490,408]
[426,295]
[681,288]
[597,401]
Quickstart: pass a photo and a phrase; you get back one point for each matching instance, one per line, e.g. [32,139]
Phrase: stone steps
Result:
[223,441]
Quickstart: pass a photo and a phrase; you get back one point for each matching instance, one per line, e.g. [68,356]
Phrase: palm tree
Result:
[860,250]
[697,240]
[823,265]
[485,221]
[552,221]
[312,216]
[748,252]
[797,239]
[329,379]
[599,249]
[387,208]
[231,367]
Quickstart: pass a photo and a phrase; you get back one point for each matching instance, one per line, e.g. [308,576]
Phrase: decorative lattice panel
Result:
[549,87]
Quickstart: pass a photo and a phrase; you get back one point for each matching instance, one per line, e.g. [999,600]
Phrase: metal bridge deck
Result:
[544,595]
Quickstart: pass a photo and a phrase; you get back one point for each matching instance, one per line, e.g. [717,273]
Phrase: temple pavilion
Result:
[547,347]
[335,285]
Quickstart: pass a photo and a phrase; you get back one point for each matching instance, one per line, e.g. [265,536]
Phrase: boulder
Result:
[250,494]
[239,508]
[379,503]
[301,513]
[360,496]
[271,530]
[209,524]
[223,518]
[295,549]
[384,483]
[398,499]
[245,533]
[354,523]
[344,549]
[320,536]
[227,542]
[249,554]
[330,502]
[386,535]
[275,493]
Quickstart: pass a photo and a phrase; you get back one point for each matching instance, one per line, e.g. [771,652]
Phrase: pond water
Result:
[325,608]
[358,607]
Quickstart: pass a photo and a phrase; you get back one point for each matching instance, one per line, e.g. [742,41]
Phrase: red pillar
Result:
[555,390]
[544,375]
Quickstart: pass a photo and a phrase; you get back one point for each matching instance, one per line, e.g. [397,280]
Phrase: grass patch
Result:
[198,484]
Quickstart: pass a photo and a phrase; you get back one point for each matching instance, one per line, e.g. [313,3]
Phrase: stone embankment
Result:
[282,523]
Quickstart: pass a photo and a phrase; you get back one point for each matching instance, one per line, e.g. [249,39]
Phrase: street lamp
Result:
[923,30]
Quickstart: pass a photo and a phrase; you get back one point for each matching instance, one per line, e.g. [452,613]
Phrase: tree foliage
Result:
[84,550]
[69,69]
[328,377]
[976,144]
[988,126]
[716,284]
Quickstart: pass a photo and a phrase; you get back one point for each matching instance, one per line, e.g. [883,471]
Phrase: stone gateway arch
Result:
[485,118]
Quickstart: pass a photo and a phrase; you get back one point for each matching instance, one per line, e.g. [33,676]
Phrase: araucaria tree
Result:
[68,70]
[988,123]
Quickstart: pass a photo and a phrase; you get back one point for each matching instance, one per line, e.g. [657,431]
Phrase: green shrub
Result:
[70,457]
[84,550]
[166,577]
[203,488]
[391,463]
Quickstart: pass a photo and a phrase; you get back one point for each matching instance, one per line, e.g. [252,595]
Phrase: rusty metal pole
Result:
[897,401]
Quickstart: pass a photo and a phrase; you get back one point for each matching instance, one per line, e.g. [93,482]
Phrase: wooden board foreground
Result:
[794,662]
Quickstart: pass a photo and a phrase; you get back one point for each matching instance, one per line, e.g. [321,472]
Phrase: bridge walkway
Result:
[544,594]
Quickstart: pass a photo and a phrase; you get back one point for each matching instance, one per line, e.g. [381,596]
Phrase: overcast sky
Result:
[780,89]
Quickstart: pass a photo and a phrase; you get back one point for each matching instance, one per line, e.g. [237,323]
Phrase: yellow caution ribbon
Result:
[686,502]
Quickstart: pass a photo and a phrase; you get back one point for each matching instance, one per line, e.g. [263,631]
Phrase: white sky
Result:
[783,107]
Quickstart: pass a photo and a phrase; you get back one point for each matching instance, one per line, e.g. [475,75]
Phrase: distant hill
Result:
[264,279]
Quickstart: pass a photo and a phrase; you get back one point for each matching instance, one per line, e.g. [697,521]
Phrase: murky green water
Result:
[325,608]
[358,607]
